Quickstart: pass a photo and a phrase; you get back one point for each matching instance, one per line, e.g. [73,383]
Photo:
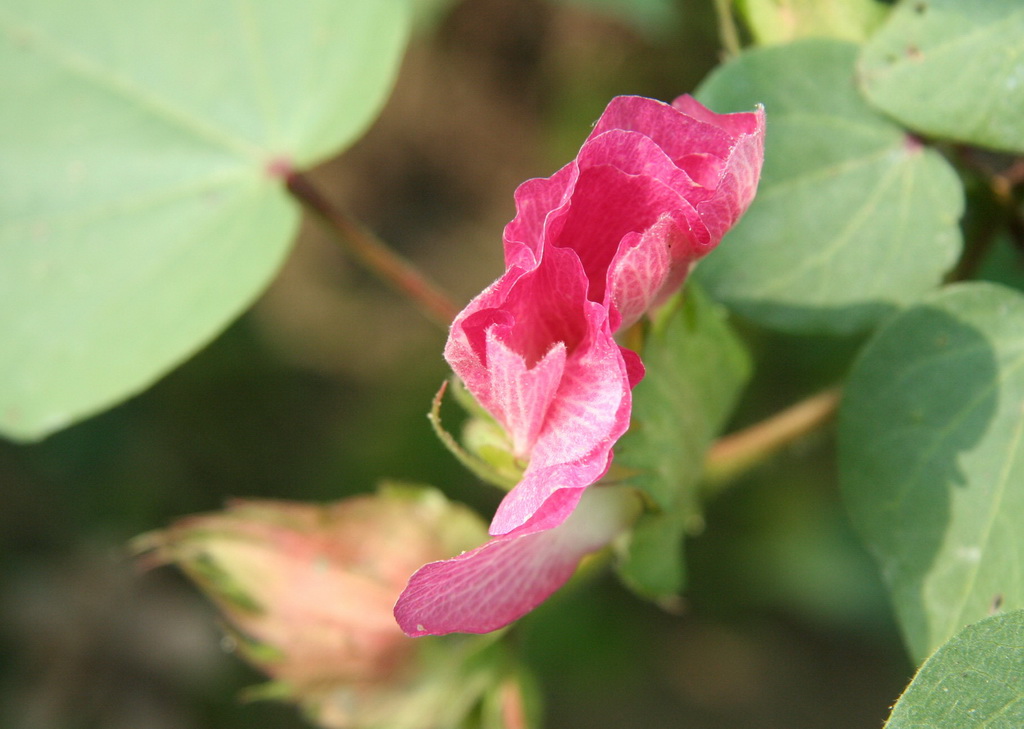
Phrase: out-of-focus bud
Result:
[308,592]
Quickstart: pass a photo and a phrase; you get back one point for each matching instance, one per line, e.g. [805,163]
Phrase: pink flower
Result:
[654,188]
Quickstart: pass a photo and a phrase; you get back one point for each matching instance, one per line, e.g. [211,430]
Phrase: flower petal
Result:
[491,586]
[589,413]
[591,249]
[541,358]
[650,175]
[522,395]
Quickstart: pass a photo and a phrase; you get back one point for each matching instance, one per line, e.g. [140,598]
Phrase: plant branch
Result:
[727,30]
[395,270]
[737,452]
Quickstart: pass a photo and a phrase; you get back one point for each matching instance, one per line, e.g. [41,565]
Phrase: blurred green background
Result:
[322,389]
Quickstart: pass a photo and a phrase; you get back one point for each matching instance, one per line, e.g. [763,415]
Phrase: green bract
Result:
[142,206]
[696,369]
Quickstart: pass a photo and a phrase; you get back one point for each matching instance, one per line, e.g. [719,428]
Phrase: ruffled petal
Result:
[541,358]
[653,182]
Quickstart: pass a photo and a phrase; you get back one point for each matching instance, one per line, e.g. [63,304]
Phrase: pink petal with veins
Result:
[491,586]
[540,357]
[655,186]
[522,395]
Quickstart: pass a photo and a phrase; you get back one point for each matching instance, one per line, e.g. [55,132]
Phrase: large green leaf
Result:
[696,368]
[931,438]
[141,206]
[852,218]
[972,682]
[951,69]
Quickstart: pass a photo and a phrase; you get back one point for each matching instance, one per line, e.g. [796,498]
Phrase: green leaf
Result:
[972,682]
[696,368]
[931,439]
[1004,263]
[852,219]
[951,69]
[652,564]
[142,207]
[781,21]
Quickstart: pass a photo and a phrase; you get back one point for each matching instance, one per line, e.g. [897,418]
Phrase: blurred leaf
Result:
[972,682]
[696,368]
[852,217]
[931,438]
[653,565]
[951,69]
[428,14]
[141,205]
[781,21]
[790,547]
[1004,263]
[654,17]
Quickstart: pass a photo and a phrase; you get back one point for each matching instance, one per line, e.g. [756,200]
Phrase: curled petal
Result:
[522,395]
[589,413]
[537,204]
[654,188]
[491,586]
[541,358]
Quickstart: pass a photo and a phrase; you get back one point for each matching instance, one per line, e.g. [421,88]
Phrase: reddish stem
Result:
[395,270]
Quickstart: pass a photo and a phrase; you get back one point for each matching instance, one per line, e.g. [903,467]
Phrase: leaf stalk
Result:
[396,271]
[736,453]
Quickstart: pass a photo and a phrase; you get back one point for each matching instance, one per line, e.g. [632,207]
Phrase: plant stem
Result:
[727,28]
[738,452]
[395,270]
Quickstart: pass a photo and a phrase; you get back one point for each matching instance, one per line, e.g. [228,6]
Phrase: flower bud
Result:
[308,589]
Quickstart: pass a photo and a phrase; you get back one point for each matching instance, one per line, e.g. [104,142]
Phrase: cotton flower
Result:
[591,249]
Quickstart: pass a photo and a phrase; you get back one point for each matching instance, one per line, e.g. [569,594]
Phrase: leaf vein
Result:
[110,80]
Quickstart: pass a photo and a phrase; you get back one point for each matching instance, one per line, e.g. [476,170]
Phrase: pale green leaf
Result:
[852,219]
[951,69]
[931,438]
[972,682]
[141,206]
